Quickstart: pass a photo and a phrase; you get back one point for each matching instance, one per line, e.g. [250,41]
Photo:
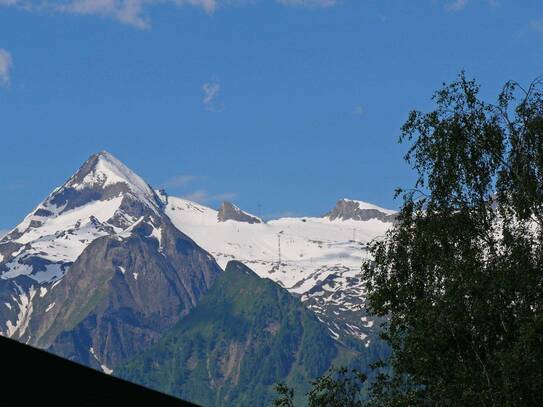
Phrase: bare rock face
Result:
[246,333]
[356,210]
[229,211]
[121,295]
[98,272]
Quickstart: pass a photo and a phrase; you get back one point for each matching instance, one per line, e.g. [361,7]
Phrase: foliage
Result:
[285,396]
[339,387]
[246,334]
[459,276]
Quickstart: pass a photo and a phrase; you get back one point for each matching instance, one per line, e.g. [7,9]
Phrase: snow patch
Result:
[311,248]
[104,368]
[335,335]
[110,171]
[157,234]
[366,205]
[24,302]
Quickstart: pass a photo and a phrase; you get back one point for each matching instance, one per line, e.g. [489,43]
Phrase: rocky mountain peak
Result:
[229,211]
[348,209]
[99,255]
[104,172]
[103,197]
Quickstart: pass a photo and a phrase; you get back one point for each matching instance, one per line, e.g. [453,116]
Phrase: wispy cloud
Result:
[308,3]
[179,181]
[13,186]
[136,12]
[537,25]
[209,6]
[211,93]
[358,110]
[203,196]
[196,193]
[6,62]
[456,5]
[279,215]
[130,12]
[7,3]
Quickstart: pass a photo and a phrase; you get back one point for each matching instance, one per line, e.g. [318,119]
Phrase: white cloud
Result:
[135,12]
[308,3]
[537,25]
[179,181]
[225,196]
[6,62]
[279,215]
[130,12]
[211,92]
[13,186]
[202,196]
[209,6]
[456,5]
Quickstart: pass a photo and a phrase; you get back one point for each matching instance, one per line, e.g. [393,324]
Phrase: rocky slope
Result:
[105,264]
[316,258]
[245,335]
[229,211]
[98,271]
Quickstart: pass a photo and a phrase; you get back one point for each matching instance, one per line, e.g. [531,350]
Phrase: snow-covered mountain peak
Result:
[229,211]
[350,209]
[103,197]
[367,205]
[317,258]
[104,171]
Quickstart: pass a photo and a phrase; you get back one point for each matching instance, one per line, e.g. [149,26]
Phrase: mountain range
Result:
[169,293]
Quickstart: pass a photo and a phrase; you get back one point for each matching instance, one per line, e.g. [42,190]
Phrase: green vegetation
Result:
[459,276]
[338,388]
[244,336]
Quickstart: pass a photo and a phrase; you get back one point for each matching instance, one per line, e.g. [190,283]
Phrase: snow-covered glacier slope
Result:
[295,252]
[318,258]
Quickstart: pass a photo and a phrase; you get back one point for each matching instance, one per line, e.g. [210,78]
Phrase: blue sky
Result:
[290,104]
